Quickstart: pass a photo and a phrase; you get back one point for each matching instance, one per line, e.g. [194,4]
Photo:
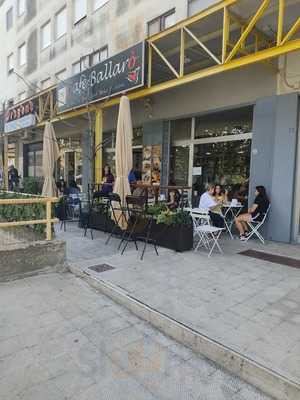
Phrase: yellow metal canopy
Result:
[229,35]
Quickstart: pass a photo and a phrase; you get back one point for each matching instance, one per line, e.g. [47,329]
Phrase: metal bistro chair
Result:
[73,205]
[100,201]
[199,217]
[118,212]
[61,212]
[208,235]
[255,225]
[139,224]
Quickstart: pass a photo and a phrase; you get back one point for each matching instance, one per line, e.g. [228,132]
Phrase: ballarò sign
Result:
[118,74]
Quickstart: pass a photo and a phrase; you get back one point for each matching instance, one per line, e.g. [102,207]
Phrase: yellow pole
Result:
[280,22]
[98,147]
[226,31]
[292,31]
[5,163]
[248,29]
[182,51]
[48,217]
[150,61]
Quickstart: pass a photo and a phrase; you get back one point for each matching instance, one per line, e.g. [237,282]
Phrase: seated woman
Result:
[220,195]
[255,213]
[108,181]
[208,202]
[173,199]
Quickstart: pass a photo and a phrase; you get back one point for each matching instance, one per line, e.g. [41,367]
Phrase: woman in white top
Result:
[207,202]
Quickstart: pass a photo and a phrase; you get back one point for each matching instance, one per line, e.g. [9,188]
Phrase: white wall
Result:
[228,89]
[289,76]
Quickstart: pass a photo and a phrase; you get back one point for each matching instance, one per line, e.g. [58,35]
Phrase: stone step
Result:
[265,379]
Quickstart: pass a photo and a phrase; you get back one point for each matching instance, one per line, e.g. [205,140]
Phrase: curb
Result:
[264,379]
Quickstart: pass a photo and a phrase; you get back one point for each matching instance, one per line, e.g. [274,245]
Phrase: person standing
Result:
[13,178]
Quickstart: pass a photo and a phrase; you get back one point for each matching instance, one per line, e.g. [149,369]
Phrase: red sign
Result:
[19,111]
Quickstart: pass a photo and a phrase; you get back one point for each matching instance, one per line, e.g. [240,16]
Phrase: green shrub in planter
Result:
[22,212]
[178,217]
[157,209]
[32,185]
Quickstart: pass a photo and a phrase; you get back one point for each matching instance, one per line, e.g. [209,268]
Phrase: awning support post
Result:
[98,145]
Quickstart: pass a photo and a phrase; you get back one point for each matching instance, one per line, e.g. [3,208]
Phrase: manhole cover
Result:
[101,268]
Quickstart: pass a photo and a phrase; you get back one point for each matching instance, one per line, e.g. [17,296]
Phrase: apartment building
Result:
[219,99]
[47,41]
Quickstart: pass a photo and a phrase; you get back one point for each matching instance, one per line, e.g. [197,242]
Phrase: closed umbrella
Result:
[50,156]
[123,151]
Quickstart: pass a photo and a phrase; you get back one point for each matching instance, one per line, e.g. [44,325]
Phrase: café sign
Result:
[20,117]
[118,74]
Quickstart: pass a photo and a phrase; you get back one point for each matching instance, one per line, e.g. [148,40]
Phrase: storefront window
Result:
[69,166]
[181,130]
[109,144]
[179,166]
[179,154]
[33,159]
[227,123]
[226,163]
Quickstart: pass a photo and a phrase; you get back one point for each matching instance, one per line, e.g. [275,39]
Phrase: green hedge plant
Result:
[22,212]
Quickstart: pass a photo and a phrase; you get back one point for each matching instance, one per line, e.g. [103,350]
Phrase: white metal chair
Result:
[256,225]
[73,203]
[212,235]
[208,235]
[200,218]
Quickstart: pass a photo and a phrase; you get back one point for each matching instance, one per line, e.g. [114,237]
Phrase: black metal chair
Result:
[61,212]
[100,203]
[139,224]
[118,213]
[84,217]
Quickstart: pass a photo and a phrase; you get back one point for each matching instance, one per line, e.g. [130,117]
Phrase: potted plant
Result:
[172,229]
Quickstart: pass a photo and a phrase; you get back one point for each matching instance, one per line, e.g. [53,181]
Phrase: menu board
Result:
[151,164]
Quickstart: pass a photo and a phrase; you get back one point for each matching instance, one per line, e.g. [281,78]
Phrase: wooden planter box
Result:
[174,237]
[98,221]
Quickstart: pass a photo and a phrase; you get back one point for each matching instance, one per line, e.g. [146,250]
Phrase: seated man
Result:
[207,202]
[255,213]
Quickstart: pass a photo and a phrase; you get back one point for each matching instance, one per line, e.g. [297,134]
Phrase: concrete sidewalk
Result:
[248,305]
[60,340]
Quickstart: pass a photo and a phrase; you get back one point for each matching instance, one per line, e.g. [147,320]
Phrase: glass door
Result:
[222,150]
[69,166]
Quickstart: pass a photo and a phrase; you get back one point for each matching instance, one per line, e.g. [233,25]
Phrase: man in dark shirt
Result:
[13,178]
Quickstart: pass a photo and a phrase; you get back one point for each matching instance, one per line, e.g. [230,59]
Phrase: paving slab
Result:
[92,358]
[249,305]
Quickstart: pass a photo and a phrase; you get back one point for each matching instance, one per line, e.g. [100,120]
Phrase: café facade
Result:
[203,111]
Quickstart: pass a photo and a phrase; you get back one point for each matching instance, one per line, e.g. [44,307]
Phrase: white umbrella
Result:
[50,156]
[123,151]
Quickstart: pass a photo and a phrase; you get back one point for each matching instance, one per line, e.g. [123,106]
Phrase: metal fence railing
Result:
[15,212]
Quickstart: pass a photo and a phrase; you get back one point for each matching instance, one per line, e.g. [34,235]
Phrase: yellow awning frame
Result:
[283,44]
